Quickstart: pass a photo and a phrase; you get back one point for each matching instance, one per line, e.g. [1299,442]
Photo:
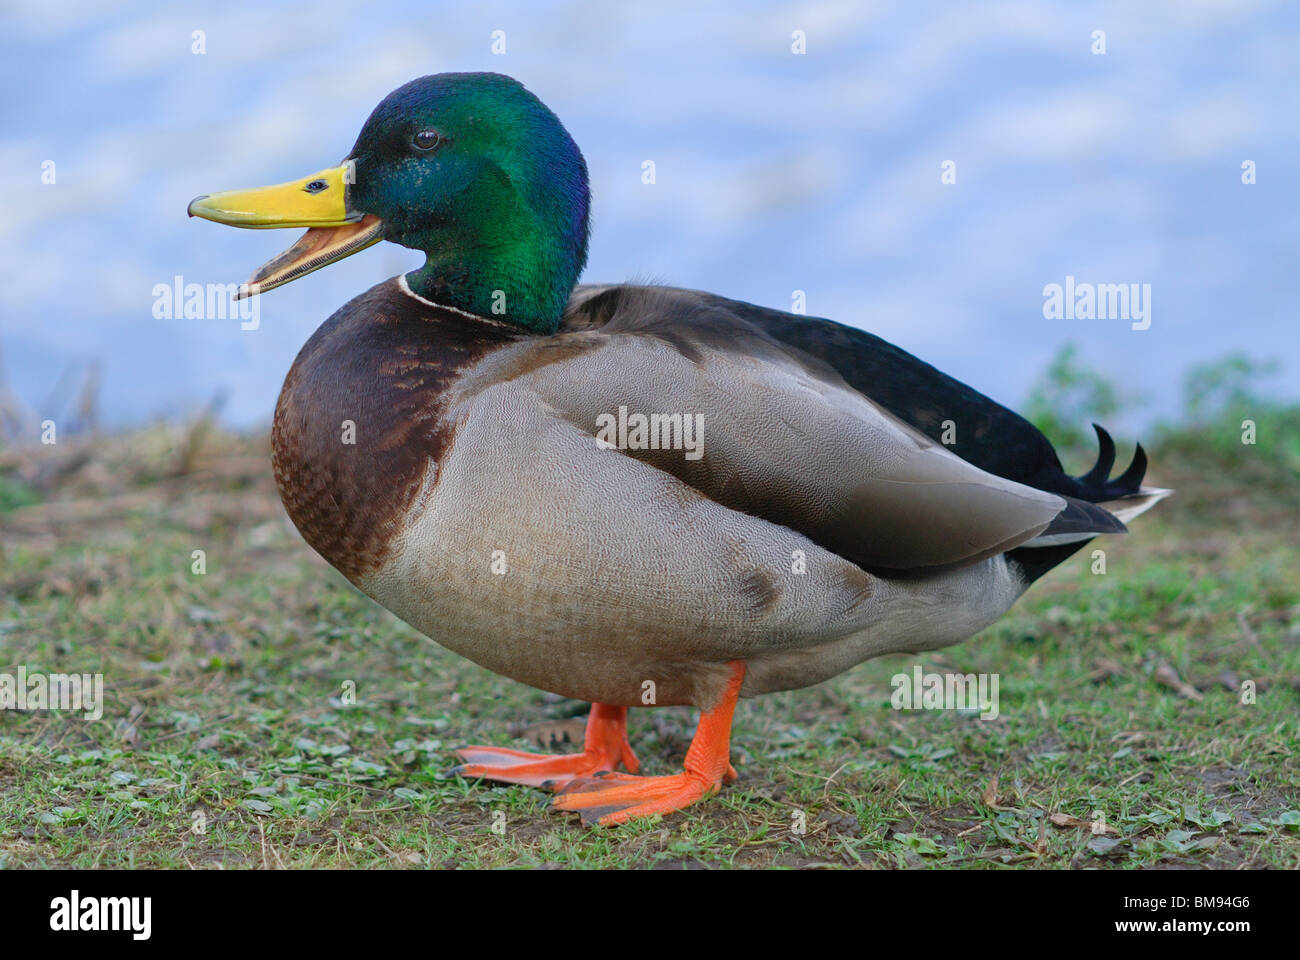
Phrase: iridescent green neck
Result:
[511,248]
[524,282]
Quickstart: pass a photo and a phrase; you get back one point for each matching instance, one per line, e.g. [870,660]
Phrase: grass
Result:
[262,713]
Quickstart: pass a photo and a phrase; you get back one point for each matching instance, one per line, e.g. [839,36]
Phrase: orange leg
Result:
[614,799]
[604,747]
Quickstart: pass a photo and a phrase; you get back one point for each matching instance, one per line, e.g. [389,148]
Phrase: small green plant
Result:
[1230,423]
[1067,397]
[1231,383]
[14,494]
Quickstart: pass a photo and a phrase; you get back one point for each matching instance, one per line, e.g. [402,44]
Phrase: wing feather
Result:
[784,437]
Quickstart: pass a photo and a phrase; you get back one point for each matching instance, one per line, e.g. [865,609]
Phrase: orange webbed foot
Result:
[604,748]
[613,798]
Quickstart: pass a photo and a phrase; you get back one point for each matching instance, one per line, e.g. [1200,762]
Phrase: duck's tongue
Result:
[316,248]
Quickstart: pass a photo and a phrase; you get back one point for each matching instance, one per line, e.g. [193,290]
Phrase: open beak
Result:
[318,202]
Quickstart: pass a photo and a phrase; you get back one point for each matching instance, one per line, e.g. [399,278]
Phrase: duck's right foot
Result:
[605,747]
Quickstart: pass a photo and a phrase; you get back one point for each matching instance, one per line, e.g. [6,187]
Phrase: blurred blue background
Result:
[775,172]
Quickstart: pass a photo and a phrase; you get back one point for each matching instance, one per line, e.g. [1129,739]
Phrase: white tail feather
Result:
[1126,508]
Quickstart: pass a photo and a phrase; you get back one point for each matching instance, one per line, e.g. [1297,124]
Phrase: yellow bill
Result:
[318,202]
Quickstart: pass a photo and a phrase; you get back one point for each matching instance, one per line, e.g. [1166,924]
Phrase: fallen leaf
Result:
[1103,668]
[1168,676]
[990,795]
[1040,847]
[1095,826]
[1105,847]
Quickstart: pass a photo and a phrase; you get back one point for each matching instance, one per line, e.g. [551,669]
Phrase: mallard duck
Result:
[628,495]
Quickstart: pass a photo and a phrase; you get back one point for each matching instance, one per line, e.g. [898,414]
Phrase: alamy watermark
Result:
[1098,301]
[655,431]
[53,691]
[179,300]
[946,691]
[75,913]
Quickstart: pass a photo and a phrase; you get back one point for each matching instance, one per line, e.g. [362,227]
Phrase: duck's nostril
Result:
[316,186]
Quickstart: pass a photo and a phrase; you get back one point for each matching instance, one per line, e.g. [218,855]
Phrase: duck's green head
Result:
[472,169]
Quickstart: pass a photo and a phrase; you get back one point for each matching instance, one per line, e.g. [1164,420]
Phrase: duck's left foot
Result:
[616,798]
[604,748]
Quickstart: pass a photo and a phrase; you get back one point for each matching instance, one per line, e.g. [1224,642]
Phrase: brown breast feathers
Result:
[359,420]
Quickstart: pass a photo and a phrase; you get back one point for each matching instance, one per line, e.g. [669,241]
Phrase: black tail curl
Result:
[1096,485]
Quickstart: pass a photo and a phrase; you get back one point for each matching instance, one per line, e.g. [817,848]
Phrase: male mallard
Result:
[628,494]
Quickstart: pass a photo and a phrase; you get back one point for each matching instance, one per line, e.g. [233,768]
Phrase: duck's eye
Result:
[427,139]
[316,186]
